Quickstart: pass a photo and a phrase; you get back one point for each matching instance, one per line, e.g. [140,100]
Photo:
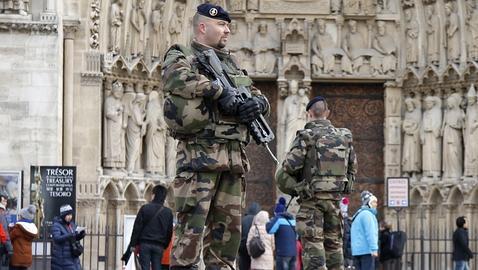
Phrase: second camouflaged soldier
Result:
[209,122]
[319,168]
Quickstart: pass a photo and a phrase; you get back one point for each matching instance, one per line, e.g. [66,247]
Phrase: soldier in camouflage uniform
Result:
[209,122]
[319,168]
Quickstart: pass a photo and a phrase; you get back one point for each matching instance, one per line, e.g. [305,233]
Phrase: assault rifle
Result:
[259,129]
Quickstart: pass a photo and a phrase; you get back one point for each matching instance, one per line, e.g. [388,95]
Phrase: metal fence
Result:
[103,248]
[433,249]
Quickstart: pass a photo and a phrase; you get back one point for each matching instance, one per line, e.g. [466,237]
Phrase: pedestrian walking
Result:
[258,228]
[22,235]
[461,251]
[364,233]
[7,251]
[244,257]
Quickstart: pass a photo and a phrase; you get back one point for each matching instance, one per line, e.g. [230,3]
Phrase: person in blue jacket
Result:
[282,226]
[364,233]
[64,233]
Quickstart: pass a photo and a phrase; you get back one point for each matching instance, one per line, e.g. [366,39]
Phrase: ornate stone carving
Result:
[472,23]
[294,38]
[138,22]
[433,35]
[264,50]
[430,137]
[452,33]
[386,62]
[471,134]
[135,131]
[114,144]
[94,24]
[20,7]
[359,7]
[295,116]
[176,24]
[354,45]
[240,46]
[335,6]
[252,5]
[453,124]
[411,158]
[157,33]
[325,52]
[171,146]
[116,22]
[46,28]
[412,37]
[236,5]
[155,140]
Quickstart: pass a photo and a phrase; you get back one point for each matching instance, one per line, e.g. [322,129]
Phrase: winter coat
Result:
[283,228]
[461,250]
[61,257]
[22,235]
[347,245]
[364,232]
[246,225]
[266,260]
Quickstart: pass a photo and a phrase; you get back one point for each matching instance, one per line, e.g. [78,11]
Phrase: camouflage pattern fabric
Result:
[211,199]
[319,167]
[209,187]
[320,226]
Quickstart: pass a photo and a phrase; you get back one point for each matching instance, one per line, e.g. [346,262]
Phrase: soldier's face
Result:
[216,33]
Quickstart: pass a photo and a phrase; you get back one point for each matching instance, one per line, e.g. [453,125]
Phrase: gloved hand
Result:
[228,101]
[72,236]
[80,235]
[251,109]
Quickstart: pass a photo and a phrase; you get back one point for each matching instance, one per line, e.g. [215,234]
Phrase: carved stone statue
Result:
[353,45]
[412,38]
[453,125]
[411,159]
[430,137]
[176,24]
[295,115]
[452,33]
[471,134]
[433,35]
[134,132]
[324,52]
[335,6]
[114,144]
[386,46]
[240,47]
[138,22]
[264,49]
[116,21]
[473,26]
[20,7]
[171,152]
[236,5]
[155,140]
[157,29]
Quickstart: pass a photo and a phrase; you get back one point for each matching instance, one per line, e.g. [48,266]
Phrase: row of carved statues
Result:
[441,142]
[21,7]
[135,133]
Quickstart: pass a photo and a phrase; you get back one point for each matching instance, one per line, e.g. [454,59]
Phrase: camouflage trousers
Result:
[208,205]
[319,223]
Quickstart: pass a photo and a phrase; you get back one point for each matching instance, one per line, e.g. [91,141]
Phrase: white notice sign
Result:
[397,190]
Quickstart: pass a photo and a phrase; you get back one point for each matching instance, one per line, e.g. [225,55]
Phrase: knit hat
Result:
[280,206]
[66,209]
[28,212]
[367,197]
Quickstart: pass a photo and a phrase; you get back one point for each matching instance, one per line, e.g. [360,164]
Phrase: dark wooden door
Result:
[360,108]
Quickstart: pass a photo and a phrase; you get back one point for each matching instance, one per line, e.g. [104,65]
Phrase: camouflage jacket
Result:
[322,160]
[218,146]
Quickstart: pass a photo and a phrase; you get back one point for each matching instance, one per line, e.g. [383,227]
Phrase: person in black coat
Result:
[64,233]
[152,231]
[246,223]
[461,252]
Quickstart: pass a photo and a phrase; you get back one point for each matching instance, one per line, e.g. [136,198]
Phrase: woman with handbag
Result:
[66,248]
[266,260]
[22,235]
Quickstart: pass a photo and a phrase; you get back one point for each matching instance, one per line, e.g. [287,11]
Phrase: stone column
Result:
[392,132]
[69,30]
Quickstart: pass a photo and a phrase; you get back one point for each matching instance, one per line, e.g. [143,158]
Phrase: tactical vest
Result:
[199,117]
[326,162]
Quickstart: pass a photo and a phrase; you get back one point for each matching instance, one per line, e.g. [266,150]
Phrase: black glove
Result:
[72,237]
[228,101]
[252,108]
[80,235]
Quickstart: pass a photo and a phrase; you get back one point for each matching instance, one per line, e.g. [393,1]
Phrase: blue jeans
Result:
[364,262]
[461,265]
[150,255]
[285,263]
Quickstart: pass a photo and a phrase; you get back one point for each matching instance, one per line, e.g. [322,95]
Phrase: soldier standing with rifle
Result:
[212,108]
[319,168]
